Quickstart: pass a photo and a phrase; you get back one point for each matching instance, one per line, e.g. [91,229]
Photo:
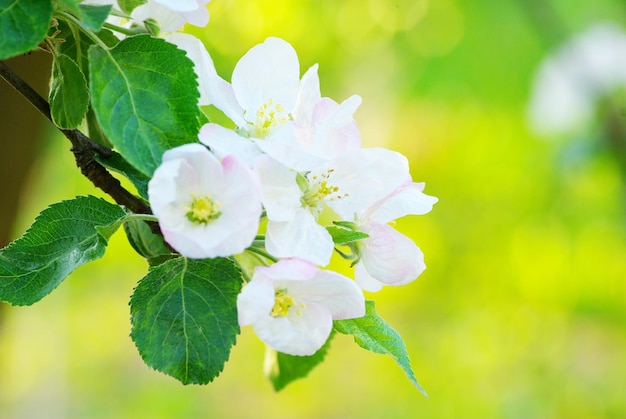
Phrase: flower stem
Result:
[262,253]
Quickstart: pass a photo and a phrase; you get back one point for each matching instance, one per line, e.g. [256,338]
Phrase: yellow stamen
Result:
[282,303]
[203,210]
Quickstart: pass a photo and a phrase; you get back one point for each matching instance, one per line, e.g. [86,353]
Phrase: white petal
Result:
[179,5]
[199,17]
[335,130]
[408,199]
[300,238]
[218,91]
[267,71]
[389,256]
[365,280]
[308,95]
[339,294]
[192,171]
[280,192]
[297,335]
[288,270]
[290,145]
[367,175]
[168,21]
[241,210]
[255,301]
[206,170]
[201,60]
[224,142]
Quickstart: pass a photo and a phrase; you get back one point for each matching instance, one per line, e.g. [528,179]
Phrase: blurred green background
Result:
[522,310]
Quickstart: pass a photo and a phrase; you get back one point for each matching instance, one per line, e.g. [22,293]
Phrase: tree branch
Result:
[83,147]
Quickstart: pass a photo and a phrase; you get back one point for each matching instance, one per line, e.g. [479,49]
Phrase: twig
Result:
[83,147]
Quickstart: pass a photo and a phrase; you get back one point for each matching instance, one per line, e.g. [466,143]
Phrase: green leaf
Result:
[145,96]
[344,236]
[281,369]
[146,243]
[62,238]
[371,332]
[24,25]
[76,44]
[71,6]
[128,6]
[95,132]
[69,97]
[93,17]
[184,317]
[117,163]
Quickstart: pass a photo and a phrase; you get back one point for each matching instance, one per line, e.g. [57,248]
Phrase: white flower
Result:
[292,304]
[172,15]
[570,82]
[264,88]
[206,208]
[277,112]
[388,257]
[317,134]
[266,98]
[348,186]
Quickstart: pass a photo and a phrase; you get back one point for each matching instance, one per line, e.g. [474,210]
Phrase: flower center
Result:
[282,303]
[203,210]
[268,116]
[316,189]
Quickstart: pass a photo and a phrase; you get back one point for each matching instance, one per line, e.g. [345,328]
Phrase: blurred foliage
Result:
[522,312]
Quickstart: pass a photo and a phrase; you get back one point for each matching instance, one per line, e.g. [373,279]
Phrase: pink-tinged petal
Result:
[241,208]
[300,238]
[290,145]
[280,192]
[366,175]
[406,200]
[206,171]
[308,95]
[389,256]
[339,294]
[288,270]
[189,172]
[255,301]
[267,71]
[336,132]
[365,280]
[224,142]
[300,334]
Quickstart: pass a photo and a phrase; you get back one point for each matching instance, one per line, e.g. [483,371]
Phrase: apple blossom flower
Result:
[264,89]
[277,112]
[324,132]
[347,186]
[206,208]
[570,82]
[172,15]
[388,257]
[291,305]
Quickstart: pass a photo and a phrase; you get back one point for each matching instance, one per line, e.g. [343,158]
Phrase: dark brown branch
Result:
[84,149]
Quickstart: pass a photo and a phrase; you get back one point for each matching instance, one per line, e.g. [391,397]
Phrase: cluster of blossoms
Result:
[296,160]
[290,185]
